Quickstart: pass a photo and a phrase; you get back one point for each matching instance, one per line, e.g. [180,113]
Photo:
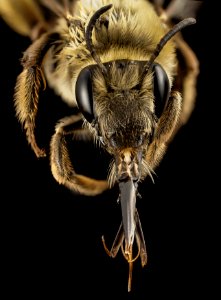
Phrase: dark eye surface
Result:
[161,89]
[84,94]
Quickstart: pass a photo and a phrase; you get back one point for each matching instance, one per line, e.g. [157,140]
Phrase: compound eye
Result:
[161,89]
[84,94]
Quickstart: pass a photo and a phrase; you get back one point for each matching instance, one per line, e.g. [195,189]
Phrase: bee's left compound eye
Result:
[84,94]
[161,89]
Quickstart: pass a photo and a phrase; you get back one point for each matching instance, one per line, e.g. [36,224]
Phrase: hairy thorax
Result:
[131,30]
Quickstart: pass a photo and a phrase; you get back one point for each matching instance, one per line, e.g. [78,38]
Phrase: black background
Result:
[52,238]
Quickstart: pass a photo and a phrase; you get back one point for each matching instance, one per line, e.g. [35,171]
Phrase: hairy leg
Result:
[167,124]
[61,165]
[189,79]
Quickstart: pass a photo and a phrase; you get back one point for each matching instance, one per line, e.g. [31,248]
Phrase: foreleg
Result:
[61,165]
[166,126]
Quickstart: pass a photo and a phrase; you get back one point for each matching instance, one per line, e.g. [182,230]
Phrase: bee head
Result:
[127,106]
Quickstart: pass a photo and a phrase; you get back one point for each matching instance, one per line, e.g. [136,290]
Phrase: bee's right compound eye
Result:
[161,89]
[84,94]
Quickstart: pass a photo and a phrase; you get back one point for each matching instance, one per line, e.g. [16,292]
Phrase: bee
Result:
[128,70]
